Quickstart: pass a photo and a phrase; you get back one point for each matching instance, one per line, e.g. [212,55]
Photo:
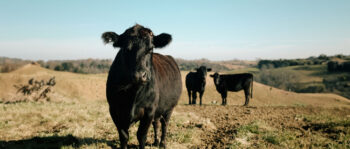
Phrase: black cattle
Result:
[195,82]
[234,82]
[142,85]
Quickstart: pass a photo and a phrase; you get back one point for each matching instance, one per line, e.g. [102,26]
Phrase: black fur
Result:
[141,86]
[109,37]
[195,82]
[234,82]
[162,40]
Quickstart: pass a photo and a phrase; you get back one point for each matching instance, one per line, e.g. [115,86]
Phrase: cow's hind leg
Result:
[156,123]
[189,96]
[247,96]
[123,129]
[142,131]
[165,122]
[194,97]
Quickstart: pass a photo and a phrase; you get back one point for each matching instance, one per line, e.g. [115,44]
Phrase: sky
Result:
[211,29]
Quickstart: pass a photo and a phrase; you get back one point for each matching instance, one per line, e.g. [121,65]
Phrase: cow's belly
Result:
[235,88]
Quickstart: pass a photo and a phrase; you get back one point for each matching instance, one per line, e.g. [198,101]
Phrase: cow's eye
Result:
[149,51]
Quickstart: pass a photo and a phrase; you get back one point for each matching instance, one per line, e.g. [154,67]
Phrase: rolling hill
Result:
[72,86]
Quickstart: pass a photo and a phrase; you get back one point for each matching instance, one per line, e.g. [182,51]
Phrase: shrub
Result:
[312,89]
[36,90]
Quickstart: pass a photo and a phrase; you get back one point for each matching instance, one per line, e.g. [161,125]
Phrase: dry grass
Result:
[78,117]
[87,124]
[81,124]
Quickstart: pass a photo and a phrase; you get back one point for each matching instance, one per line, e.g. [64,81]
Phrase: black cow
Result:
[195,82]
[234,82]
[142,85]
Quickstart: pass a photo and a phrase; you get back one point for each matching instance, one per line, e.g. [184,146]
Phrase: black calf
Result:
[195,82]
[234,82]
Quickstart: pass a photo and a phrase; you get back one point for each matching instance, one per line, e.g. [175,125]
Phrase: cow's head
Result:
[216,78]
[202,72]
[136,46]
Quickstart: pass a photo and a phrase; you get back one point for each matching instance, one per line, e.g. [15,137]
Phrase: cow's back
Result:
[236,82]
[168,81]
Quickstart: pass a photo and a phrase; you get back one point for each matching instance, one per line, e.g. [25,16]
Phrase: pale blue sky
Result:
[216,29]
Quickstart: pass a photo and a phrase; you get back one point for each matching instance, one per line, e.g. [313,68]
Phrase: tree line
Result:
[321,59]
[85,66]
[78,66]
[102,65]
[338,66]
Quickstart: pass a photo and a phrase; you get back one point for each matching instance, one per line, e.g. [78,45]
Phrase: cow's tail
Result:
[251,88]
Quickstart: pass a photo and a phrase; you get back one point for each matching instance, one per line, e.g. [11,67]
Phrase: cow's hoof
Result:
[156,143]
[162,145]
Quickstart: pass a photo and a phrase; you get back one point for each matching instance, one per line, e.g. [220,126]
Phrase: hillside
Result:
[78,117]
[72,86]
[306,79]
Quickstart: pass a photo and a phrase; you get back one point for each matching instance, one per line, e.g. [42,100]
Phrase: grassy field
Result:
[88,125]
[78,117]
[74,125]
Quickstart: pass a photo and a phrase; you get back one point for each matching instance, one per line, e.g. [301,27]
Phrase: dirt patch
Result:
[237,126]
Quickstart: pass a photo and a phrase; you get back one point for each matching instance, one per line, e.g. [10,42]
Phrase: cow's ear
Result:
[209,69]
[161,40]
[212,76]
[110,37]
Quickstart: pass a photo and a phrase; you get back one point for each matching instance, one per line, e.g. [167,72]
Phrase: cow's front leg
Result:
[122,126]
[189,96]
[200,97]
[194,97]
[142,131]
[123,137]
[156,124]
[224,97]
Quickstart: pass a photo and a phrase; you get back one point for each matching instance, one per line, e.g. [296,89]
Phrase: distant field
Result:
[303,79]
[78,117]
[308,73]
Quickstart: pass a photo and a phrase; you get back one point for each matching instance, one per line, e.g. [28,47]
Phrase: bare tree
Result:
[36,90]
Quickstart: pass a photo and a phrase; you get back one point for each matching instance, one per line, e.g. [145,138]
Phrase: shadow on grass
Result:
[54,142]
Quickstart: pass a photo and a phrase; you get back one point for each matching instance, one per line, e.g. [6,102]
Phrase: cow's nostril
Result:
[144,76]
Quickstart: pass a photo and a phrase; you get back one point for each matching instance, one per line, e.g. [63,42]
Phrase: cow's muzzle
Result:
[141,77]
